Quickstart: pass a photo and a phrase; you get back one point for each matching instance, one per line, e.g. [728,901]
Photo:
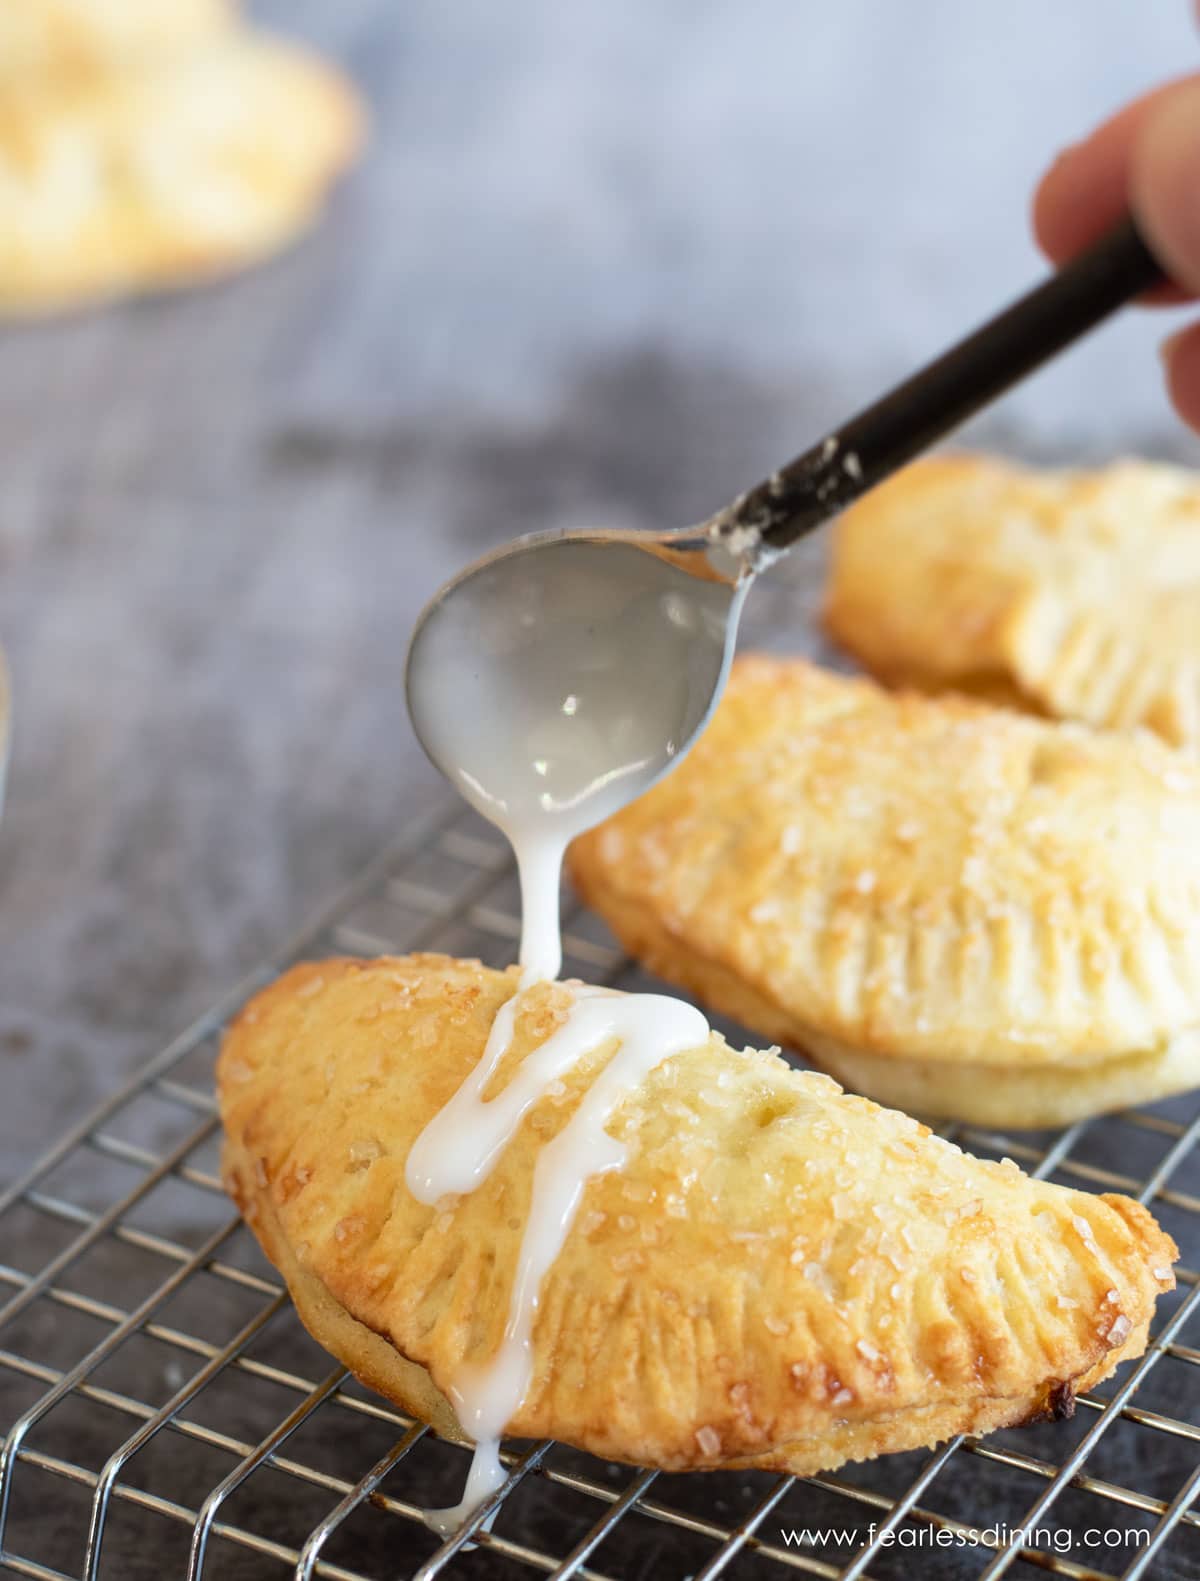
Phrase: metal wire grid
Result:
[169,1417]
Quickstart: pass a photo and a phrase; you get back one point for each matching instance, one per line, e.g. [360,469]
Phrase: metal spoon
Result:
[561,675]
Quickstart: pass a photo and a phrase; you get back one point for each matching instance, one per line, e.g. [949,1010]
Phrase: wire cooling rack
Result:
[166,1414]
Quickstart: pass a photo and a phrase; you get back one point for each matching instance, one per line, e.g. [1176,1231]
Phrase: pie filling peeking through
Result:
[779,1275]
[957,909]
[1074,594]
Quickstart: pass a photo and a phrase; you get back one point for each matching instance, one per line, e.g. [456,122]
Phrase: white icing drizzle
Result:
[539,865]
[485,1476]
[459,1148]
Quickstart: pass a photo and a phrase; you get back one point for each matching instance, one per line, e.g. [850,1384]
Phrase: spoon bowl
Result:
[560,676]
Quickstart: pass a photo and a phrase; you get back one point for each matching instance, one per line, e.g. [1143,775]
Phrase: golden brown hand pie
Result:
[80,36]
[1075,594]
[779,1276]
[957,909]
[159,176]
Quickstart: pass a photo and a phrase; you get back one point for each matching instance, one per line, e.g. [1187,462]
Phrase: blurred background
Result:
[602,263]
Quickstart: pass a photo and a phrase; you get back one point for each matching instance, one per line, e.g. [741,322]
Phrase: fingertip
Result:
[1088,187]
[1164,181]
[1052,202]
[1181,357]
[1085,190]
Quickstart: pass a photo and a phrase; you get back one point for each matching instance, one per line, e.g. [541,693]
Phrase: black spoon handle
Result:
[910,418]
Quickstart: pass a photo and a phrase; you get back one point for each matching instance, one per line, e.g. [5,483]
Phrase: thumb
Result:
[1164,182]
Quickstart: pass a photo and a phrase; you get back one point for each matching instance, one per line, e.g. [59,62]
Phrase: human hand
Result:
[1144,161]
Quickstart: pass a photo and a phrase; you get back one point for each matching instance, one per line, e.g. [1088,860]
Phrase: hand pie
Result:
[956,909]
[158,176]
[778,1276]
[1075,594]
[78,36]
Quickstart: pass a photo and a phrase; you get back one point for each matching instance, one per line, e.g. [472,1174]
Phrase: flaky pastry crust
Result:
[958,909]
[1074,594]
[163,175]
[77,37]
[781,1275]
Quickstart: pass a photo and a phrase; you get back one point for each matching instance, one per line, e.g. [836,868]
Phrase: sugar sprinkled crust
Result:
[781,1276]
[185,168]
[1075,594]
[956,908]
